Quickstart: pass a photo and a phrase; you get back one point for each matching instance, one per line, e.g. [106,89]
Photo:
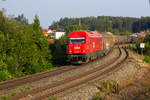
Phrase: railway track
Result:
[62,86]
[12,83]
[36,77]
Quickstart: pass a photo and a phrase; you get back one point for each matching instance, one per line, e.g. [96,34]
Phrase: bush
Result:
[106,88]
[5,97]
[59,51]
[147,59]
[53,98]
[5,75]
[24,50]
[97,96]
[133,47]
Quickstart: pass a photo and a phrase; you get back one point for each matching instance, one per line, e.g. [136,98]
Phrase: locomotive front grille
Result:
[77,57]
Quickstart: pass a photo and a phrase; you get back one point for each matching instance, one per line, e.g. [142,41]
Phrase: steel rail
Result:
[102,74]
[16,82]
[34,91]
[36,77]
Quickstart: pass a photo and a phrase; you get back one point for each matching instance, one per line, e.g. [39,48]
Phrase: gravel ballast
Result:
[133,69]
[63,76]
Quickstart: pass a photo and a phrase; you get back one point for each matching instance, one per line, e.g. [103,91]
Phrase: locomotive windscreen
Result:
[77,40]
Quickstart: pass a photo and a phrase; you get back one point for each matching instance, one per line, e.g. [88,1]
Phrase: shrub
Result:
[97,96]
[147,59]
[53,98]
[133,47]
[24,50]
[5,75]
[106,88]
[5,97]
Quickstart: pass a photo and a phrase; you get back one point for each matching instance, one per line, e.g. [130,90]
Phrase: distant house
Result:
[51,31]
[58,35]
[52,41]
[141,35]
[134,35]
[48,32]
[50,35]
[45,32]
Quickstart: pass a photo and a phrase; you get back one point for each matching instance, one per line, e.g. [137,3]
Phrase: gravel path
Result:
[60,77]
[132,70]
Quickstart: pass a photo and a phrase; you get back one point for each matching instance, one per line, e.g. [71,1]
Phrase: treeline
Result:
[117,25]
[24,50]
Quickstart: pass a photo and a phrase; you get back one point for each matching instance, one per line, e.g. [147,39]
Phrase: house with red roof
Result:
[142,35]
[49,34]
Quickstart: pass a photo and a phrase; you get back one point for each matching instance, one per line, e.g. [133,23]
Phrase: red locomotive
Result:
[83,46]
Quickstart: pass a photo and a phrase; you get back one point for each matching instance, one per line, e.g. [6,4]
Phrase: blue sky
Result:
[52,10]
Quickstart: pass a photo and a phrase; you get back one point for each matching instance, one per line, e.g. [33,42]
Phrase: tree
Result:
[59,51]
[106,23]
[21,19]
[24,49]
[69,29]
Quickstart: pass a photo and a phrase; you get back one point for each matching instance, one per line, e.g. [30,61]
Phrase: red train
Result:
[83,46]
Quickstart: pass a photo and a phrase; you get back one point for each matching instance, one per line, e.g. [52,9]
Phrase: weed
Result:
[14,94]
[28,88]
[14,87]
[147,59]
[53,98]
[5,97]
[98,96]
[133,47]
[21,89]
[106,88]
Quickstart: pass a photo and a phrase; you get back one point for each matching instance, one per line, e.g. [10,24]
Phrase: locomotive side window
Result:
[77,40]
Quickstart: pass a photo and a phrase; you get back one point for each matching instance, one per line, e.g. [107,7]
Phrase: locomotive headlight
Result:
[70,51]
[83,50]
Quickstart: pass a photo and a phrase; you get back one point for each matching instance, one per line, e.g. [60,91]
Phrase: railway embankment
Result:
[28,86]
[129,81]
[133,83]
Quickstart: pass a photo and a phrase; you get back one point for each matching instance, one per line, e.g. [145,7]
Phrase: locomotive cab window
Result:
[77,40]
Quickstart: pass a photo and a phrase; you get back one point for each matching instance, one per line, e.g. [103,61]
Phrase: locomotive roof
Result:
[84,34]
